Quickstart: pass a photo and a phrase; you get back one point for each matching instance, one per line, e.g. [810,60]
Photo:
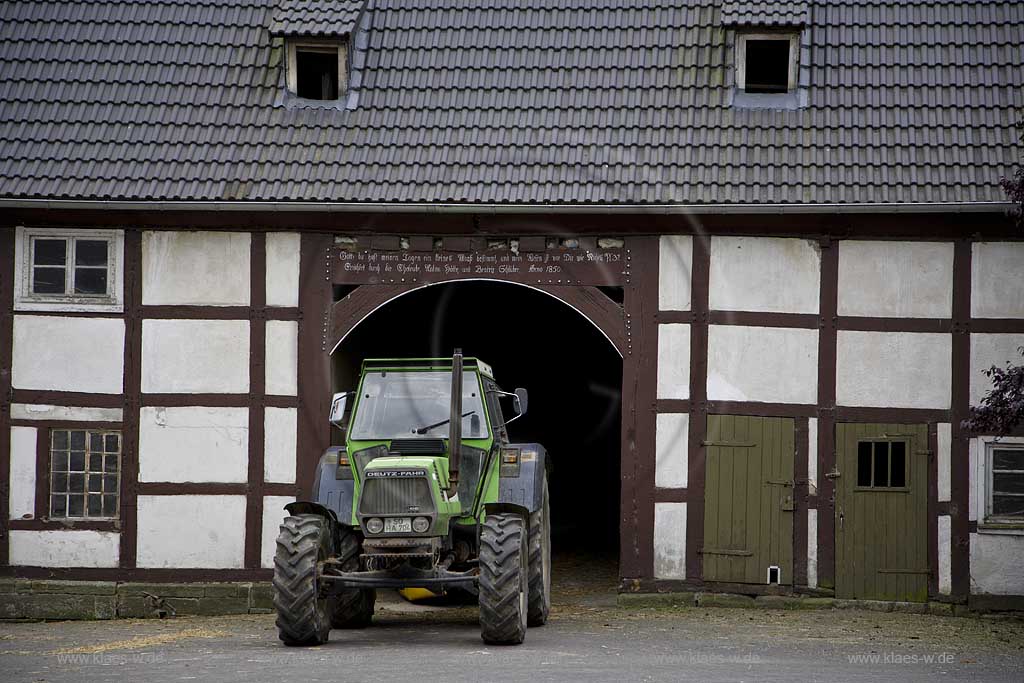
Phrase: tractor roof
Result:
[425,364]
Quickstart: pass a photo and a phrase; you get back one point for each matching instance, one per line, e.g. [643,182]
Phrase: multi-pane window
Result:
[85,467]
[1006,482]
[68,270]
[70,266]
[882,464]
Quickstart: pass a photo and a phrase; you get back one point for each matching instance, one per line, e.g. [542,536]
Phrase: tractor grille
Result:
[394,496]
[418,446]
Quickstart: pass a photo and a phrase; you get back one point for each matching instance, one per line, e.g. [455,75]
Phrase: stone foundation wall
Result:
[34,599]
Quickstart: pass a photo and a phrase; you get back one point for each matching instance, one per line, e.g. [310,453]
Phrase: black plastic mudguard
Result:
[332,493]
[526,490]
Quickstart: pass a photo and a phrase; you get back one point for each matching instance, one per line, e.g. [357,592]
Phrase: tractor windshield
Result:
[408,405]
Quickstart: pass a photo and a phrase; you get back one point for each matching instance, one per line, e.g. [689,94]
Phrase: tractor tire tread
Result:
[501,541]
[300,621]
[540,594]
[351,608]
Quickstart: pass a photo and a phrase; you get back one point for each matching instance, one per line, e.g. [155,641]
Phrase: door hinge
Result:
[834,474]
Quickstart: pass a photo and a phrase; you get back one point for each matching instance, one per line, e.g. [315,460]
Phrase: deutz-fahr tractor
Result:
[427,492]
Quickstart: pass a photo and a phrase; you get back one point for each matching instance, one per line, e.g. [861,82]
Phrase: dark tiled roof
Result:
[315,17]
[762,13]
[608,101]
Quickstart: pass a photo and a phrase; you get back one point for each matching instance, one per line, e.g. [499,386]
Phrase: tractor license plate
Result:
[397,525]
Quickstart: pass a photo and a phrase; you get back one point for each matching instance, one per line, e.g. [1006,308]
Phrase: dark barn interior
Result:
[532,340]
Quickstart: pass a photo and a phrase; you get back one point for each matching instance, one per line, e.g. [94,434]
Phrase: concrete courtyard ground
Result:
[588,638]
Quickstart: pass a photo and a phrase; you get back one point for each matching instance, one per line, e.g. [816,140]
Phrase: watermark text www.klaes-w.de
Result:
[110,658]
[900,658]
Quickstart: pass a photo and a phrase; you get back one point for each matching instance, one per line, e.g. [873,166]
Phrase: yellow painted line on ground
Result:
[141,641]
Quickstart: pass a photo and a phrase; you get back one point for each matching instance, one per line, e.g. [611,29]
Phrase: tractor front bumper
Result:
[404,577]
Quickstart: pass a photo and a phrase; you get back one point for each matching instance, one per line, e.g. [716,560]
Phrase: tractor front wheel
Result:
[353,607]
[540,562]
[303,542]
[504,579]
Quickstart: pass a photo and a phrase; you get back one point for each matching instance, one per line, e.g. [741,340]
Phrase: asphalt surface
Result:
[588,638]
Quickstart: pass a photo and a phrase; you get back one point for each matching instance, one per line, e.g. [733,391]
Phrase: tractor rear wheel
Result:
[540,563]
[351,608]
[303,542]
[504,579]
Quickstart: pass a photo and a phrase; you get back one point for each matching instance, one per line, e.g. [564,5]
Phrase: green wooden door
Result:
[748,505]
[882,512]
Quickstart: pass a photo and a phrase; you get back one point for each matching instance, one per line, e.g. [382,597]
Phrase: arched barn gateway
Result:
[751,307]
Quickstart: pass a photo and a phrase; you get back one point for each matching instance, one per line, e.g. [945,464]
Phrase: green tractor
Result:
[427,492]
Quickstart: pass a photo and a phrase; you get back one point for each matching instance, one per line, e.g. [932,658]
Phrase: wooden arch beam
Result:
[590,302]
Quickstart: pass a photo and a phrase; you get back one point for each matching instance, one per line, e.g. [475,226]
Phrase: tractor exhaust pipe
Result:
[455,423]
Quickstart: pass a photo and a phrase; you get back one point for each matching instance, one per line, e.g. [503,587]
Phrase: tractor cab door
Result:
[494,411]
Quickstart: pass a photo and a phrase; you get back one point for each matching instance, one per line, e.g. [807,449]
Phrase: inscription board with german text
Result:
[597,267]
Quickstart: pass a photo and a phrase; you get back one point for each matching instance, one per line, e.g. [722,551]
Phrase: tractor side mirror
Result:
[338,404]
[521,401]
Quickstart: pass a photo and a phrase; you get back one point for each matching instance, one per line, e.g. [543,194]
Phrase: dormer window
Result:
[316,70]
[766,63]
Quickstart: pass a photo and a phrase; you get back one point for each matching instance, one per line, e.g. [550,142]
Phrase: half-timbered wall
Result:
[215,369]
[836,331]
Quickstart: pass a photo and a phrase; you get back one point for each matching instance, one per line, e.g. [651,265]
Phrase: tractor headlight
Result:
[420,525]
[374,525]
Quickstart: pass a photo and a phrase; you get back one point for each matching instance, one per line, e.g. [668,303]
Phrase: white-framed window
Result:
[72,270]
[766,63]
[317,69]
[1004,482]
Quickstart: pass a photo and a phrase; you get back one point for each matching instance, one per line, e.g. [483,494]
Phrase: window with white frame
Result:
[1005,483]
[317,69]
[68,269]
[766,63]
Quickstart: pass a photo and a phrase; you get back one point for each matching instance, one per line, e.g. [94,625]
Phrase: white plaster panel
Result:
[896,279]
[280,445]
[68,354]
[273,514]
[672,447]
[812,548]
[997,564]
[283,268]
[22,502]
[812,455]
[191,531]
[945,536]
[36,411]
[195,356]
[674,361]
[65,548]
[670,540]
[199,268]
[988,350]
[997,283]
[764,274]
[675,271]
[196,444]
[893,369]
[943,463]
[766,364]
[282,363]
